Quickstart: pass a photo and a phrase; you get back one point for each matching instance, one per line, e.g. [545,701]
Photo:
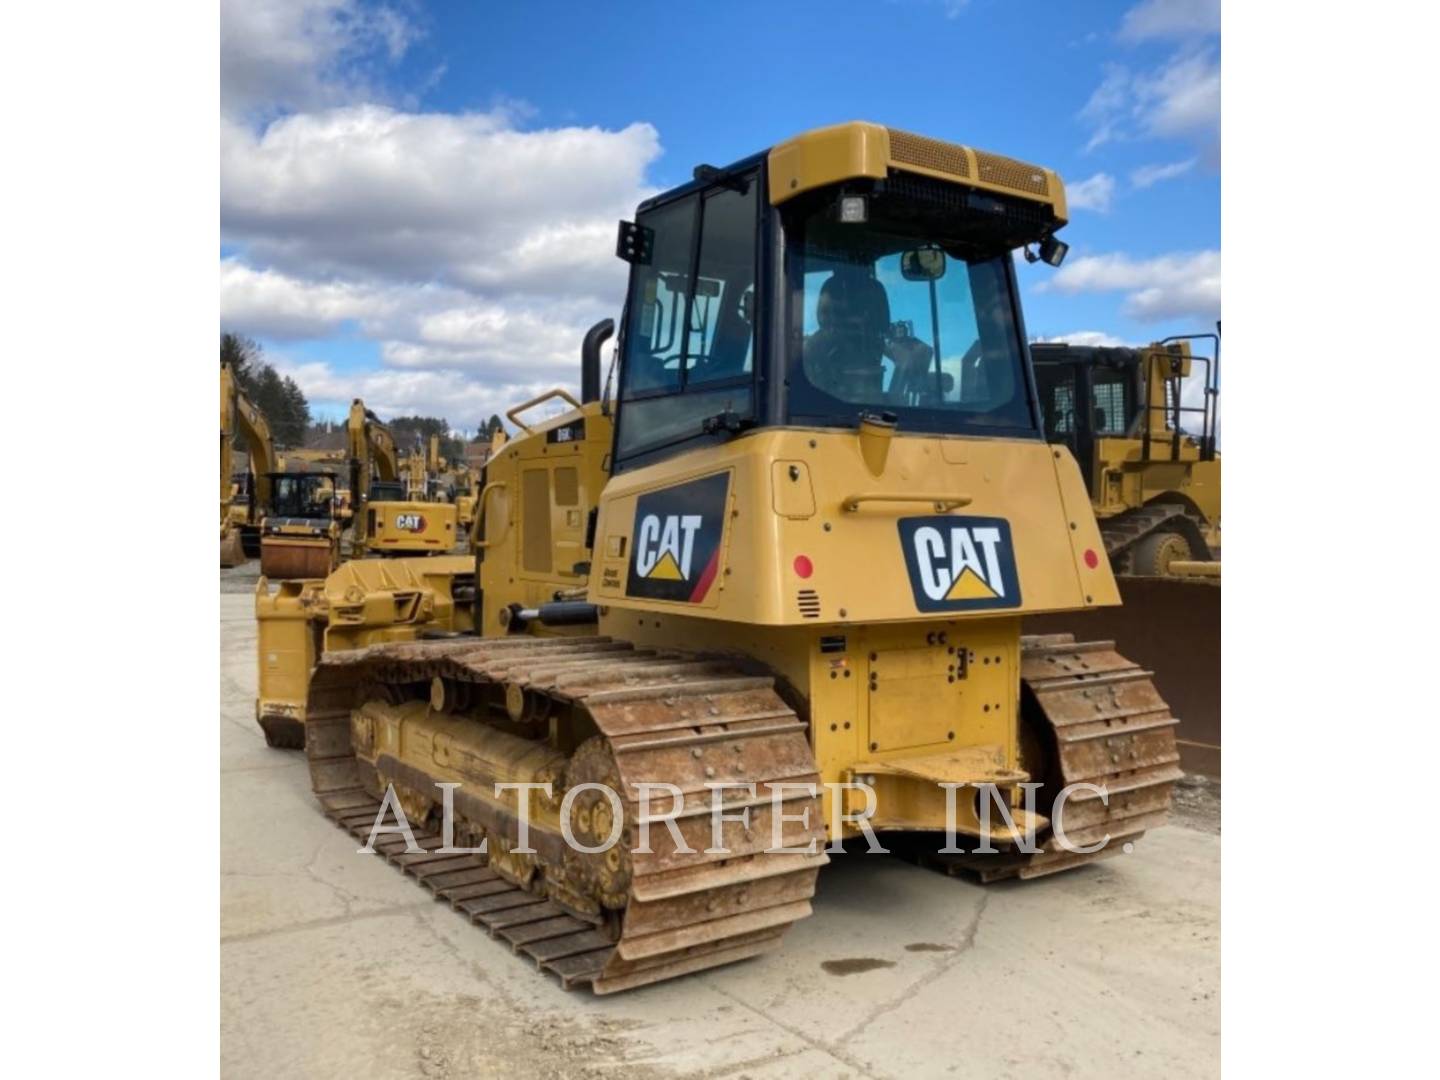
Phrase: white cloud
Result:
[1182,285]
[463,400]
[1182,98]
[298,54]
[1148,175]
[1109,103]
[1083,337]
[1179,99]
[471,251]
[1094,193]
[266,303]
[1170,19]
[465,200]
[416,326]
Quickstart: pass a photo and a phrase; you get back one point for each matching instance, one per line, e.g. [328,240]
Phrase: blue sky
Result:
[374,158]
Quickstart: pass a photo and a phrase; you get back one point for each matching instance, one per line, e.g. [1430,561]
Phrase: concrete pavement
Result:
[335,964]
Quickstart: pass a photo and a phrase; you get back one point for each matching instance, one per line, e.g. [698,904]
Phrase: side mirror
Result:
[922,264]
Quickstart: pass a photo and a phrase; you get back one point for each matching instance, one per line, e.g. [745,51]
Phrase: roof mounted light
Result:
[1052,251]
[853,210]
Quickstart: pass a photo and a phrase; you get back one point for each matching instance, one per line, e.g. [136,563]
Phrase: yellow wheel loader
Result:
[830,503]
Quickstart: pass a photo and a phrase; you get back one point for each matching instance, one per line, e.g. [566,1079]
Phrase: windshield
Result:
[891,322]
[304,496]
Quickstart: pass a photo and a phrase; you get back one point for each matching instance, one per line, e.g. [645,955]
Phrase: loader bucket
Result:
[1170,626]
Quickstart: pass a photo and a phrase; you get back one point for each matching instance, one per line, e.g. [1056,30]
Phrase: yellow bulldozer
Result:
[791,590]
[1154,484]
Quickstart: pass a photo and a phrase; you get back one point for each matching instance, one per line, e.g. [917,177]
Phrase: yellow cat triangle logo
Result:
[667,569]
[969,586]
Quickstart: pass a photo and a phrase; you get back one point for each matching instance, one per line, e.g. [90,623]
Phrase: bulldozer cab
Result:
[891,297]
[1092,393]
[1087,397]
[822,349]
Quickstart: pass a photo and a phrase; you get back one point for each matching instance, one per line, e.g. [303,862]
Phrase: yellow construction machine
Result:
[466,476]
[300,537]
[1154,485]
[330,461]
[522,564]
[829,504]
[391,514]
[239,416]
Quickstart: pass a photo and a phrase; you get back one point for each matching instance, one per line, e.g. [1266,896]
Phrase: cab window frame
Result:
[791,331]
[752,174]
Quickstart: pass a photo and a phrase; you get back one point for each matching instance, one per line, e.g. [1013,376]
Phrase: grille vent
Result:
[928,153]
[1010,173]
[808,601]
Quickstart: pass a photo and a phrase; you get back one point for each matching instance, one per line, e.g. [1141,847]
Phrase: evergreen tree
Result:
[280,400]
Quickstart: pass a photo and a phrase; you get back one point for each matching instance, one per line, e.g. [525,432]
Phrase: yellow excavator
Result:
[239,416]
[828,503]
[1121,412]
[391,514]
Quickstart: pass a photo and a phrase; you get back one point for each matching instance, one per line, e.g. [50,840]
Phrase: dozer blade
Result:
[1170,626]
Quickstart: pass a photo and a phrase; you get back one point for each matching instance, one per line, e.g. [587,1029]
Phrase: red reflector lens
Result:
[803,566]
[1091,559]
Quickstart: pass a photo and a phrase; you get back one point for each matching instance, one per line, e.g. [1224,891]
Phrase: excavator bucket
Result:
[232,551]
[1171,626]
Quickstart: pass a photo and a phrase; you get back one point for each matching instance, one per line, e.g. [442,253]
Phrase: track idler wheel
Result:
[1154,554]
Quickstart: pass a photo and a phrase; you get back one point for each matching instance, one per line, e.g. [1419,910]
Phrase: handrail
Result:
[941,502]
[480,514]
[557,392]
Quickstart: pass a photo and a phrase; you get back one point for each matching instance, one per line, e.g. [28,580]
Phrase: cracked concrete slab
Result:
[334,964]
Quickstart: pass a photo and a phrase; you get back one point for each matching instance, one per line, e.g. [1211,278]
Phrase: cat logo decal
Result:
[960,563]
[676,549]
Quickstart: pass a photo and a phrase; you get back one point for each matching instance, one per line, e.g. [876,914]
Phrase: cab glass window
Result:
[887,315]
[690,340]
